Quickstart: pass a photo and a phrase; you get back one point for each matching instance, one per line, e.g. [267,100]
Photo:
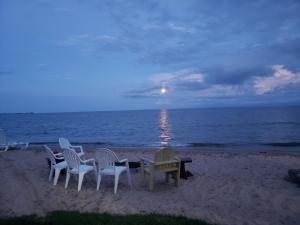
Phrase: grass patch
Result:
[76,218]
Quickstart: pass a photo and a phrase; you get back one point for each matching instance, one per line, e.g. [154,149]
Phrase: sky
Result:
[88,55]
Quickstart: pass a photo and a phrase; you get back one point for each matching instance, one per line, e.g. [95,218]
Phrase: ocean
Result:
[274,126]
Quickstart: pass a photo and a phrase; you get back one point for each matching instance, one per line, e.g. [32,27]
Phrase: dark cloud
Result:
[233,75]
[149,92]
[190,86]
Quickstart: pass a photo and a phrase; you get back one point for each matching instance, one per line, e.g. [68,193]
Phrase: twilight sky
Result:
[86,55]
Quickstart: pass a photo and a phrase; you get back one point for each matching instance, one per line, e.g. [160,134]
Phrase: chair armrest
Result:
[89,161]
[177,158]
[77,146]
[123,160]
[59,157]
[166,162]
[144,159]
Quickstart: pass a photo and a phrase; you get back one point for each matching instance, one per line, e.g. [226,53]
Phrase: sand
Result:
[227,188]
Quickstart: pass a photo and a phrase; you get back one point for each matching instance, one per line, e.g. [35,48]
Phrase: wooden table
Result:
[185,173]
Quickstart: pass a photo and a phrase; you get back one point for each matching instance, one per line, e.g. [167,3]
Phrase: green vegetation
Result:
[76,218]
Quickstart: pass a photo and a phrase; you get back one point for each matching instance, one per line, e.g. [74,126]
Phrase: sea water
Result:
[178,127]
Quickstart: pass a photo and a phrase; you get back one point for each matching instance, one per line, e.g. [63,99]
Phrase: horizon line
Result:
[162,108]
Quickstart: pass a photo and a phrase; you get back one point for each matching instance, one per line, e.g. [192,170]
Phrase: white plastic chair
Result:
[106,160]
[75,165]
[5,145]
[3,141]
[57,167]
[65,144]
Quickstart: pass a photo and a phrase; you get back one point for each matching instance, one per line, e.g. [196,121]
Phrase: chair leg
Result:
[129,178]
[67,179]
[80,175]
[116,183]
[96,173]
[98,181]
[177,178]
[151,178]
[51,173]
[167,177]
[151,181]
[178,175]
[142,176]
[142,173]
[56,176]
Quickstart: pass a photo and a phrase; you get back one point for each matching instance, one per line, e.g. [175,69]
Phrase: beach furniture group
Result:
[107,163]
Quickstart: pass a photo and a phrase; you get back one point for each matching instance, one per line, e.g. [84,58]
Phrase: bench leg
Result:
[182,171]
[167,176]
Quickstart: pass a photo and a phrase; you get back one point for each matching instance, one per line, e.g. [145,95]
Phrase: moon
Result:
[163,90]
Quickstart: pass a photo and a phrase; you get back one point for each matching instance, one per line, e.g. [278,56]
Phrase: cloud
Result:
[188,75]
[281,78]
[87,40]
[222,91]
[186,34]
[233,74]
[152,92]
[228,57]
[97,43]
[177,81]
[192,84]
[169,27]
[186,79]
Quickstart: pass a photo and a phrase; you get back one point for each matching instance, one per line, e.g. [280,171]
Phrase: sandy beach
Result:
[227,188]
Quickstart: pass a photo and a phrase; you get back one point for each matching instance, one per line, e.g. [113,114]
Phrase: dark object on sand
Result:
[294,175]
[132,165]
[185,173]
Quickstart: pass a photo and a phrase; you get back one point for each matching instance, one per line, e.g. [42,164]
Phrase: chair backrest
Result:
[106,158]
[164,154]
[50,155]
[72,159]
[3,140]
[64,143]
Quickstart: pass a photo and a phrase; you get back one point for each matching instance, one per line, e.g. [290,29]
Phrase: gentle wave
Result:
[190,145]
[207,145]
[288,144]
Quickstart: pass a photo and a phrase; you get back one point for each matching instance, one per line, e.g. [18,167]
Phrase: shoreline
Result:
[250,149]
